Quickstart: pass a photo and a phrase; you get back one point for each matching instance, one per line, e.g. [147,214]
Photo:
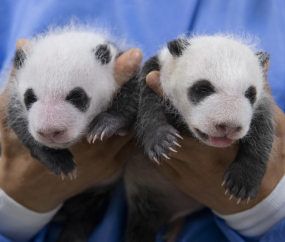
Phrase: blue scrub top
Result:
[148,25]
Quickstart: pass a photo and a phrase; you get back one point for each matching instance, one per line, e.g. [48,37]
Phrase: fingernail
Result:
[154,76]
[136,56]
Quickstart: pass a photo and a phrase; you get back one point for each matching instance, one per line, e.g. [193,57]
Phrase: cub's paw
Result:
[159,141]
[59,161]
[242,182]
[106,125]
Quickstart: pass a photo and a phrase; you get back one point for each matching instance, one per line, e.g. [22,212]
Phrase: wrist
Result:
[256,221]
[15,217]
[32,188]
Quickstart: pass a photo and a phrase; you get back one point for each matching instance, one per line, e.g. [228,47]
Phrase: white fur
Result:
[56,63]
[231,66]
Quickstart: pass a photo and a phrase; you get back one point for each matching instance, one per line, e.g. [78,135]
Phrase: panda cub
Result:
[61,90]
[214,89]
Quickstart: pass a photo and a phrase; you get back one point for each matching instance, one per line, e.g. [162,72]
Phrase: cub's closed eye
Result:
[251,94]
[200,90]
[29,98]
[78,97]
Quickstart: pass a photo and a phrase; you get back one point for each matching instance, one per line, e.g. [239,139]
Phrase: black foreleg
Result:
[120,117]
[244,176]
[153,129]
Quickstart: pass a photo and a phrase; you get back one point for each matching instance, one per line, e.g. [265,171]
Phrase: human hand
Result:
[31,184]
[198,169]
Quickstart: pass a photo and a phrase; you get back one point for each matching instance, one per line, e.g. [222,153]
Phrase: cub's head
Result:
[215,83]
[63,81]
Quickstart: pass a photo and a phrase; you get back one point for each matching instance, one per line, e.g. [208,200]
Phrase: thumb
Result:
[153,81]
[126,65]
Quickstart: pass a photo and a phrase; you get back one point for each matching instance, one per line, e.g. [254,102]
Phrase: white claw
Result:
[174,142]
[62,176]
[89,139]
[171,149]
[177,135]
[223,183]
[248,200]
[238,200]
[156,160]
[231,197]
[226,191]
[94,139]
[165,156]
[73,174]
[102,135]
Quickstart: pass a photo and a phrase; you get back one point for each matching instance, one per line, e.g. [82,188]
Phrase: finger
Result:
[21,43]
[126,65]
[265,72]
[124,154]
[153,81]
[5,94]
[280,122]
[169,171]
[8,137]
[116,143]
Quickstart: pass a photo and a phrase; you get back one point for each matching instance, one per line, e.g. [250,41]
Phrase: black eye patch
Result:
[79,99]
[29,98]
[251,94]
[200,90]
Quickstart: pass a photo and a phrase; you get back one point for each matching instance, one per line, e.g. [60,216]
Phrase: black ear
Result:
[103,54]
[177,46]
[19,59]
[263,57]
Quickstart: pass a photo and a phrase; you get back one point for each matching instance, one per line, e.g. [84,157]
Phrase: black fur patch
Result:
[19,59]
[29,98]
[79,99]
[263,57]
[154,128]
[103,54]
[200,90]
[251,94]
[177,46]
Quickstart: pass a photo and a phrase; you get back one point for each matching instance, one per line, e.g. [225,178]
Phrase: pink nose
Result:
[227,130]
[51,134]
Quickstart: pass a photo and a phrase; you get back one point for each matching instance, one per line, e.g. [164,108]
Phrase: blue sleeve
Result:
[3,239]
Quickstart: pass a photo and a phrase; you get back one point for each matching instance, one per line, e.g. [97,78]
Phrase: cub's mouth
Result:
[214,141]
